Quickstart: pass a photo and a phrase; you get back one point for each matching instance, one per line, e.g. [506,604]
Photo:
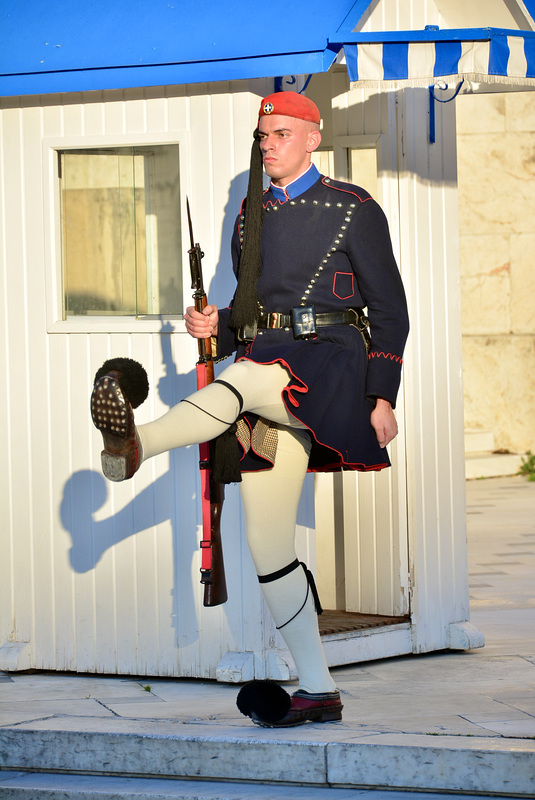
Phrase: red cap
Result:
[290,104]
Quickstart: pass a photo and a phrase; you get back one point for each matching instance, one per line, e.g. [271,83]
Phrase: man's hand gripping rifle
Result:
[213,494]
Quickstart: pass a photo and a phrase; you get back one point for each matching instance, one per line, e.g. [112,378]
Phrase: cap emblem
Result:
[268,108]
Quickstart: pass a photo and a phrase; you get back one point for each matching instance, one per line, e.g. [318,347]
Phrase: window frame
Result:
[341,146]
[52,235]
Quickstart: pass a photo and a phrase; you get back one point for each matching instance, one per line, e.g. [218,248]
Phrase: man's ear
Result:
[313,142]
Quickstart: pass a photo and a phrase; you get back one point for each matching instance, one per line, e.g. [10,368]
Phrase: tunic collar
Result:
[297,187]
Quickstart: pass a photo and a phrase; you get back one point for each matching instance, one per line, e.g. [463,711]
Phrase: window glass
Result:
[363,168]
[359,166]
[120,231]
[324,161]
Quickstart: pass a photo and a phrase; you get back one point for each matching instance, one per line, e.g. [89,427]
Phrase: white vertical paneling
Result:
[105,577]
[114,112]
[433,399]
[19,465]
[93,113]
[399,15]
[135,110]
[361,518]
[39,499]
[7,598]
[100,576]
[156,110]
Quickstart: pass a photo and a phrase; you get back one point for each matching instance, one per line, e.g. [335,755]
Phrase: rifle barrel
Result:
[215,587]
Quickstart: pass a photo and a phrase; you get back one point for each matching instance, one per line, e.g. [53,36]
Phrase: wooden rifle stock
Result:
[214,581]
[213,493]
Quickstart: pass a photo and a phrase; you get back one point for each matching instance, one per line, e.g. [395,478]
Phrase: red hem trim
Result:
[342,464]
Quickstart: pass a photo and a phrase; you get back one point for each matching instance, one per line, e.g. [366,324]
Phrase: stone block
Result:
[453,764]
[496,173]
[499,389]
[485,306]
[163,755]
[481,113]
[519,111]
[522,248]
[484,254]
[485,283]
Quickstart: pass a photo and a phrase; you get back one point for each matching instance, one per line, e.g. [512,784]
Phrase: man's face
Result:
[286,144]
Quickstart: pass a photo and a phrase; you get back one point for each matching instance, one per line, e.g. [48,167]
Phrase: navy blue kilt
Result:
[326,392]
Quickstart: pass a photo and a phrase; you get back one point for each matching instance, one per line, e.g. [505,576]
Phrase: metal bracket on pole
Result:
[432,97]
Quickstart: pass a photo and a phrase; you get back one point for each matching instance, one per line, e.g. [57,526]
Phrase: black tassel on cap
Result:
[245,306]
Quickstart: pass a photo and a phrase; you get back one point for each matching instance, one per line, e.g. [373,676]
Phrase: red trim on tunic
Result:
[391,356]
[355,467]
[330,185]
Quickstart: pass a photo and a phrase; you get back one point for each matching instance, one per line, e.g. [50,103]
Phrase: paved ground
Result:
[488,694]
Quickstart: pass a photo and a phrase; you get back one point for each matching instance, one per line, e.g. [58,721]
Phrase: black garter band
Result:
[311,586]
[233,390]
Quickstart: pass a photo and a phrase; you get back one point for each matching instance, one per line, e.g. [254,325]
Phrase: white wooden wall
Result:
[402,533]
[432,455]
[361,519]
[433,382]
[103,577]
[98,576]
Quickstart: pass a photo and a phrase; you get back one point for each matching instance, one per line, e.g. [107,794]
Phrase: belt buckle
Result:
[274,320]
[247,333]
[362,323]
[303,321]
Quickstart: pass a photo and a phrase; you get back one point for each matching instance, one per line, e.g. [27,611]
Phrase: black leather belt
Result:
[277,320]
[303,321]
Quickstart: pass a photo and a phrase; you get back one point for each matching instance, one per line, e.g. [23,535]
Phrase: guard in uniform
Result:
[313,385]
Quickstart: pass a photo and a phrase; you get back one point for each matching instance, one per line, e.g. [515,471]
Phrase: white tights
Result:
[209,412]
[270,498]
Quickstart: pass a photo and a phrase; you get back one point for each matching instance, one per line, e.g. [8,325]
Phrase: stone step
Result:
[478,441]
[51,786]
[314,756]
[491,465]
[480,459]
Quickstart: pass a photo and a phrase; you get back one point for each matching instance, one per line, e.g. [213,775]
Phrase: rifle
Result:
[213,493]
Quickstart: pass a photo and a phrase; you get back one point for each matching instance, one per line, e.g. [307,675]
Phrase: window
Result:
[357,165]
[324,161]
[362,168]
[120,231]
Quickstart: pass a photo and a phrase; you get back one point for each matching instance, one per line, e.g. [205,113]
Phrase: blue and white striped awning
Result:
[60,46]
[420,58]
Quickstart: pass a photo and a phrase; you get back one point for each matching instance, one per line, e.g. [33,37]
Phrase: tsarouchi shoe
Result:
[120,385]
[270,706]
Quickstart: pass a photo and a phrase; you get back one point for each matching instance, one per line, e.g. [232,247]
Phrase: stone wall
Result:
[496,172]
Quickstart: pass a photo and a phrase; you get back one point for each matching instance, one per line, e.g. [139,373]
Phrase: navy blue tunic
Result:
[326,243]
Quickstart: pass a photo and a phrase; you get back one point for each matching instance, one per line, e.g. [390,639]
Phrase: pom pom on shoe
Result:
[133,379]
[266,699]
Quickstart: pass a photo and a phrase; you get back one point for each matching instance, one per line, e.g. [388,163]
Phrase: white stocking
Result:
[210,411]
[270,500]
